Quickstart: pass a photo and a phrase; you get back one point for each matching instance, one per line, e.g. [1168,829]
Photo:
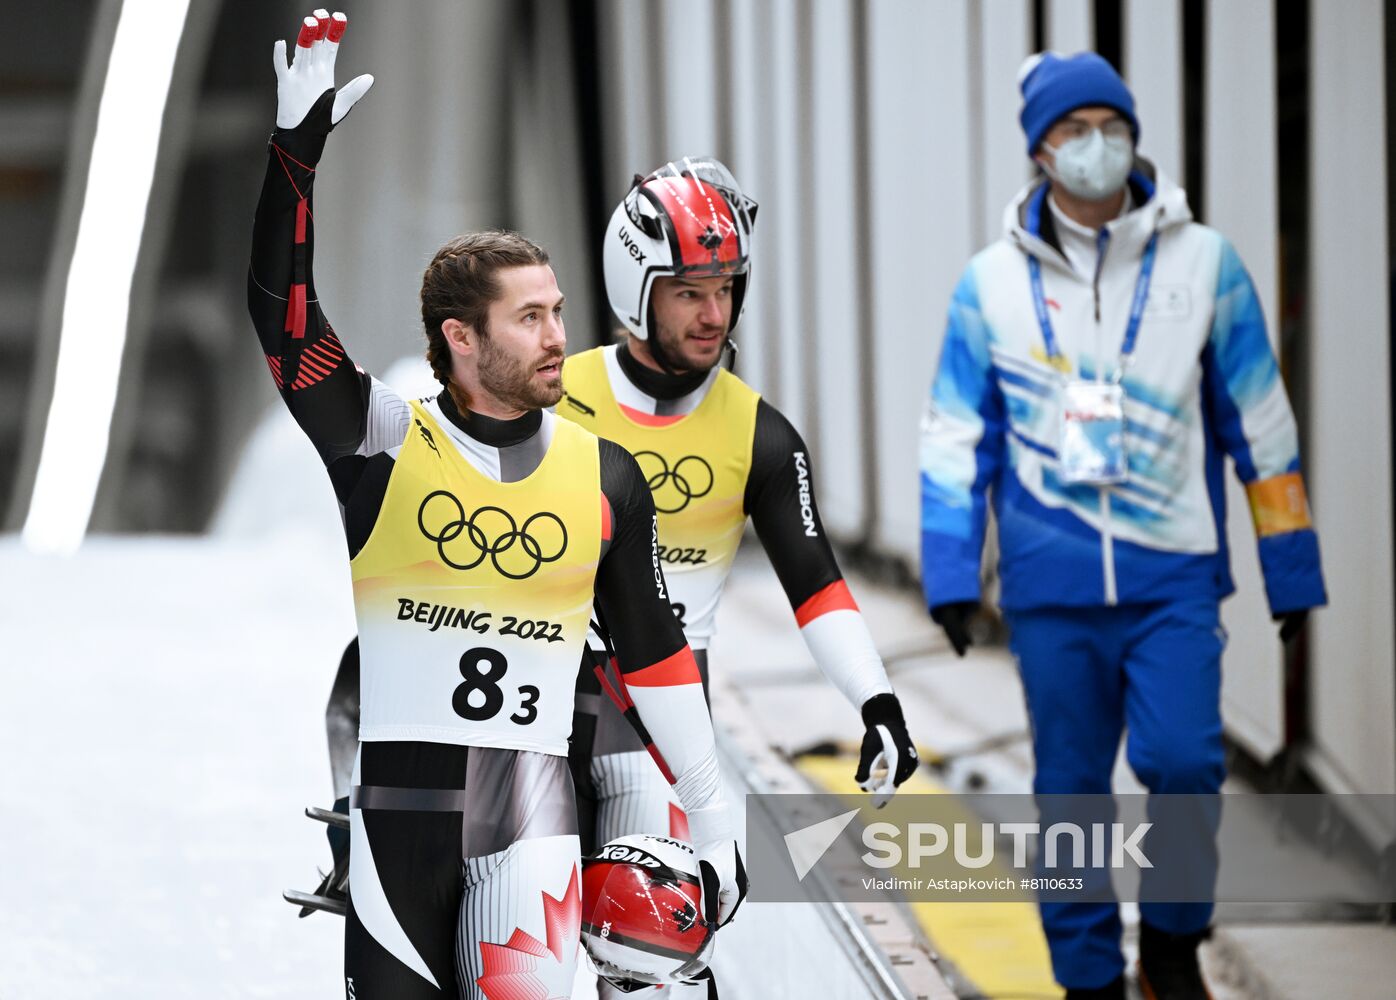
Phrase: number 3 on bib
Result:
[483,668]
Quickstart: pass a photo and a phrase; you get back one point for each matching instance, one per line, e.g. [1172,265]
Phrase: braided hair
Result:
[460,283]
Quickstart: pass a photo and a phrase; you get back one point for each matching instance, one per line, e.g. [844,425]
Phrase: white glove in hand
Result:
[311,72]
[723,875]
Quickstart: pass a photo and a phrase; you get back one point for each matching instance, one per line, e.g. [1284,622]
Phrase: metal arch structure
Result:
[81,130]
[177,131]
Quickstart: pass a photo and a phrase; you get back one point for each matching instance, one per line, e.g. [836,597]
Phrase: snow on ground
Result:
[160,725]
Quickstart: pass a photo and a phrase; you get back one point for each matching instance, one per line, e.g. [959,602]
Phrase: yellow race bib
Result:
[473,595]
[696,467]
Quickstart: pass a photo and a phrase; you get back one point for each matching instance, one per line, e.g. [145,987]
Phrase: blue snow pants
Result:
[1089,674]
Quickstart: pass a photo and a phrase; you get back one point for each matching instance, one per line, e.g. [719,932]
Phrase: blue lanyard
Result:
[1136,308]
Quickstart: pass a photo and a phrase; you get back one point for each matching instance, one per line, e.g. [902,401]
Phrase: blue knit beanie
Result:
[1054,86]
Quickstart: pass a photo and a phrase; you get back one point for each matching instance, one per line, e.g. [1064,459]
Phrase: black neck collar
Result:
[490,430]
[656,384]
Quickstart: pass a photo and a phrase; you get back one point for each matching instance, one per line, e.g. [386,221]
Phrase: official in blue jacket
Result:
[1101,360]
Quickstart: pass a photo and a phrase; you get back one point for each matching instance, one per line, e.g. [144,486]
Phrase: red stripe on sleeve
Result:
[678,822]
[681,668]
[302,208]
[834,597]
[315,366]
[661,763]
[605,519]
[318,359]
[323,356]
[295,312]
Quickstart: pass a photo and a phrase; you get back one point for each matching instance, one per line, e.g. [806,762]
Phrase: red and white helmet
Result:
[688,218]
[642,916]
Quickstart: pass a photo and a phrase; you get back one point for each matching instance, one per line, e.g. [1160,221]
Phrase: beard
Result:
[514,381]
[689,356]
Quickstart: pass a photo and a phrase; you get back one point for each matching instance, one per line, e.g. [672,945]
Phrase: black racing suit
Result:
[457,838]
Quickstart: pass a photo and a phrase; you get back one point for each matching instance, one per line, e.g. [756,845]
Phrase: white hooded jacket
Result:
[1201,382]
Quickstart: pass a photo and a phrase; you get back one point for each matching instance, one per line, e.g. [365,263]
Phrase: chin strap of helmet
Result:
[731,348]
[707,976]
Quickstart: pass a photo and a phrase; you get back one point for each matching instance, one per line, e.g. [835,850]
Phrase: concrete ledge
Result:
[1301,961]
[878,940]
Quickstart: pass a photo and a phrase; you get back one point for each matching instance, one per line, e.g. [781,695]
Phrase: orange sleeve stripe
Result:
[681,668]
[605,519]
[1279,504]
[834,597]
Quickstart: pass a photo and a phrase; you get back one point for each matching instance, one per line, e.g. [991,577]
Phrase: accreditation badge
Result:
[1091,439]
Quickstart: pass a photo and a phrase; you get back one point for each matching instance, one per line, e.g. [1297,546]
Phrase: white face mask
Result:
[1092,167]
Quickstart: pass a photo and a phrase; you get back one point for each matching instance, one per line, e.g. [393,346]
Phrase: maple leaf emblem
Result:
[523,968]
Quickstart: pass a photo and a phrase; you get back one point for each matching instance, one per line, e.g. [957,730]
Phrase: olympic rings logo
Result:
[674,489]
[491,531]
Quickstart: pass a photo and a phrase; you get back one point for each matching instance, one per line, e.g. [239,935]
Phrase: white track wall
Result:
[1153,56]
[1244,204]
[835,325]
[750,125]
[1070,25]
[920,239]
[1004,33]
[1352,683]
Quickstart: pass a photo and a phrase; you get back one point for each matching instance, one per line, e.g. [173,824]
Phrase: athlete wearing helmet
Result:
[689,221]
[480,528]
[677,259]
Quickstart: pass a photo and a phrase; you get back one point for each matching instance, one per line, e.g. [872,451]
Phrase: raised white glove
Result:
[311,71]
[719,862]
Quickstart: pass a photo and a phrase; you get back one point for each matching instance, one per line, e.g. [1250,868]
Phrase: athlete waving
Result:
[677,262]
[480,528]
